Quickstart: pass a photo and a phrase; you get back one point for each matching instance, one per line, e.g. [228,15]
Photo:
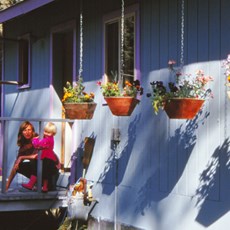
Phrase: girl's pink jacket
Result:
[46,145]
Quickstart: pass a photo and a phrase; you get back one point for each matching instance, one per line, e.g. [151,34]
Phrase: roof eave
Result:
[21,8]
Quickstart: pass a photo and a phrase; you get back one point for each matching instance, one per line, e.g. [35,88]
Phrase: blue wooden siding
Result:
[169,174]
[189,153]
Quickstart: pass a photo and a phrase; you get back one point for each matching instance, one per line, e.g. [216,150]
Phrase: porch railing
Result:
[4,131]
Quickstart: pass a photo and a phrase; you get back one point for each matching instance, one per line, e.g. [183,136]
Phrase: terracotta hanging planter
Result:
[183,108]
[83,110]
[121,106]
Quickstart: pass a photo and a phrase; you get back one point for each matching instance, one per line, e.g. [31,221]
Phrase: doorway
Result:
[63,69]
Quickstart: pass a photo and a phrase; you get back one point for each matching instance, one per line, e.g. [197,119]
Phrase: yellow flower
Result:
[228,78]
[64,97]
[69,95]
[86,96]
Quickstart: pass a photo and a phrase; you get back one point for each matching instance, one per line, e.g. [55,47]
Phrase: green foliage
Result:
[75,93]
[7,3]
[111,89]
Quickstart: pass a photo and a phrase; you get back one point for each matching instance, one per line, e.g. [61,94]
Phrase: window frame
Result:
[116,16]
[25,80]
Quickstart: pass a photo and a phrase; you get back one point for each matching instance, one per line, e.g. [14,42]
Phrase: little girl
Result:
[50,162]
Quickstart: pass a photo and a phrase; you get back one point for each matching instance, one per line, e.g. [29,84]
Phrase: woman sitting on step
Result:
[26,152]
[50,162]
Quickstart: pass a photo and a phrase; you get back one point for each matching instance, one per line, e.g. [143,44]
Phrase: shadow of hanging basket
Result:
[183,108]
[121,106]
[81,111]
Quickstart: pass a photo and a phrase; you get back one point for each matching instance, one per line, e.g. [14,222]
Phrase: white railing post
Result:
[4,134]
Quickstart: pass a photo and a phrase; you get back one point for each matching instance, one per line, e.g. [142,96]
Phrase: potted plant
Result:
[184,97]
[77,103]
[123,101]
[226,65]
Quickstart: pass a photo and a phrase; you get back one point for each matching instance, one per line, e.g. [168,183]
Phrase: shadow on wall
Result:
[210,187]
[76,169]
[76,162]
[170,165]
[116,164]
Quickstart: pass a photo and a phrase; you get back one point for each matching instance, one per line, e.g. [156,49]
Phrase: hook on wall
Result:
[10,83]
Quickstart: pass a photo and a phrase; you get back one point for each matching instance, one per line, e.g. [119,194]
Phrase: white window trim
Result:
[133,9]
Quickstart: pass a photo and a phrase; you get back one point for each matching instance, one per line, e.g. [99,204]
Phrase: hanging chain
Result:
[182,35]
[122,39]
[81,45]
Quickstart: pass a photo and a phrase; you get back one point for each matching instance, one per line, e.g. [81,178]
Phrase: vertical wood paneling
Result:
[163,32]
[163,162]
[214,106]
[173,29]
[173,137]
[146,38]
[225,122]
[203,33]
[155,36]
[191,29]
[163,45]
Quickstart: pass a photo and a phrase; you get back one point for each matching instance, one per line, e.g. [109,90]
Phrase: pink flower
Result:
[200,72]
[228,58]
[99,83]
[171,62]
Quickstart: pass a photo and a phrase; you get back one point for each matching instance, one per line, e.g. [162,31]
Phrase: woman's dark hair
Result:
[21,139]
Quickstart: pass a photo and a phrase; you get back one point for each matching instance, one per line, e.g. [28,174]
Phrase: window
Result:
[24,61]
[113,48]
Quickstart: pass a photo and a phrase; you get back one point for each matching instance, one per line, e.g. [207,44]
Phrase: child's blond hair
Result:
[51,128]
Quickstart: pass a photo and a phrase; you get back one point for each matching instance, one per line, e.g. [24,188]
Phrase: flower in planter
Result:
[226,66]
[185,86]
[75,93]
[112,89]
[121,101]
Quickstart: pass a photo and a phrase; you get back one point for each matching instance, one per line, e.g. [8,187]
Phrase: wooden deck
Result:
[18,198]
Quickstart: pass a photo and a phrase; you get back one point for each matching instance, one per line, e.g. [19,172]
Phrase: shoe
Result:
[45,186]
[31,183]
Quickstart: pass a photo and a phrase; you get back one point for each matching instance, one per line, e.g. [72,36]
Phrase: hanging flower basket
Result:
[121,102]
[83,110]
[122,106]
[77,103]
[183,98]
[183,108]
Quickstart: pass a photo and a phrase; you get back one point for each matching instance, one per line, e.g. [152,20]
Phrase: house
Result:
[163,173]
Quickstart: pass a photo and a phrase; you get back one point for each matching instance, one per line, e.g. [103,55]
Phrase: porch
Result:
[19,199]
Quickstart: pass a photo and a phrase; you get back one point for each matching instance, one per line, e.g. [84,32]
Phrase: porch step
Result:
[19,200]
